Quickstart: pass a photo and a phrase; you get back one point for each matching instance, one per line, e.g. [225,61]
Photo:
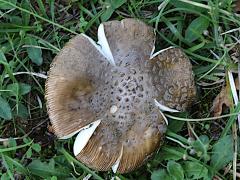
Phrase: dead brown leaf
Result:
[237,6]
[223,98]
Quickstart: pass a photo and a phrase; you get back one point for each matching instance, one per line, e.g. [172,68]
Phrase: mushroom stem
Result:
[71,134]
[153,48]
[164,117]
[102,41]
[116,164]
[102,45]
[164,108]
[83,137]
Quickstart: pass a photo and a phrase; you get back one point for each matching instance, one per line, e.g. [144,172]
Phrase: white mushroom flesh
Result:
[83,137]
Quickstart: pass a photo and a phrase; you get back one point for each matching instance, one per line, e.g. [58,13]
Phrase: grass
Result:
[197,146]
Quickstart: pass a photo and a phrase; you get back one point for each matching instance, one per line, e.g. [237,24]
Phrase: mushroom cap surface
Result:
[83,86]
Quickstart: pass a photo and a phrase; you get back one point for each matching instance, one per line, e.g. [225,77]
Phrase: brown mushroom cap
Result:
[172,71]
[83,86]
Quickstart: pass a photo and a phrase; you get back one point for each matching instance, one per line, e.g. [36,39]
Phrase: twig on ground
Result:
[29,73]
[26,135]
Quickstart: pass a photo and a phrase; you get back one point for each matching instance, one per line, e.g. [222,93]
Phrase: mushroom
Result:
[113,93]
